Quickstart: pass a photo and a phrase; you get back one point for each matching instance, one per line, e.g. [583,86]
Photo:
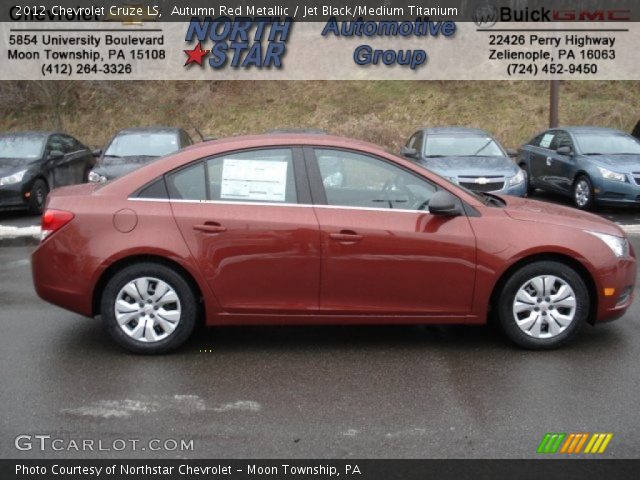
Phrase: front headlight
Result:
[517,179]
[609,175]
[618,245]
[13,178]
[96,177]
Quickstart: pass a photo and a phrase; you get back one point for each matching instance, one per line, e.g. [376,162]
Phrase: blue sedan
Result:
[469,157]
[592,165]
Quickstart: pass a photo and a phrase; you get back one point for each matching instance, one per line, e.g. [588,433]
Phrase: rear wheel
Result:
[583,193]
[38,196]
[543,305]
[149,308]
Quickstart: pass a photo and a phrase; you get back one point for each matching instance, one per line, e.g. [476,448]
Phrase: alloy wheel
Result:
[582,193]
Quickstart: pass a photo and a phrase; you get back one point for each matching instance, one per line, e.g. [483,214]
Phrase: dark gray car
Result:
[33,163]
[132,148]
[592,165]
[467,156]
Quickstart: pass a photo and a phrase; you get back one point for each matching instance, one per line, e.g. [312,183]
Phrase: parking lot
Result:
[314,392]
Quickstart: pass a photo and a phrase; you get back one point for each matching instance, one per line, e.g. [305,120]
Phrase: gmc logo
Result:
[592,15]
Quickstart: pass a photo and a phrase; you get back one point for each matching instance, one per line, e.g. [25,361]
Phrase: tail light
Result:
[54,220]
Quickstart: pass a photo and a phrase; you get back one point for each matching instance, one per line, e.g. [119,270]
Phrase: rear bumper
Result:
[62,275]
[621,278]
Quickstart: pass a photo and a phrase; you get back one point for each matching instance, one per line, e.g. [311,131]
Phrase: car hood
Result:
[542,212]
[474,166]
[619,163]
[9,166]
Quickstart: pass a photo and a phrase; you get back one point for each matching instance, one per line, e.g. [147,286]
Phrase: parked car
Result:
[636,131]
[245,231]
[33,163]
[467,156]
[132,148]
[592,165]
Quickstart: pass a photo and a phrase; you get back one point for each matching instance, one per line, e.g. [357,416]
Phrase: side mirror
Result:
[97,152]
[512,152]
[445,204]
[409,152]
[55,155]
[566,150]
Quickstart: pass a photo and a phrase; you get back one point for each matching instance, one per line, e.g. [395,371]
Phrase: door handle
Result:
[549,160]
[347,236]
[210,227]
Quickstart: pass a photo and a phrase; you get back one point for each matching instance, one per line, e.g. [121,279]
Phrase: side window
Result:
[253,176]
[536,141]
[371,182]
[187,183]
[546,139]
[562,139]
[55,143]
[70,144]
[418,144]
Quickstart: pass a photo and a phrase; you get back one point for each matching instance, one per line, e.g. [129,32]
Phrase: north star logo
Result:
[243,42]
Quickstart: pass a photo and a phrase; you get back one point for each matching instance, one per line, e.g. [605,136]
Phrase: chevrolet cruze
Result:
[248,230]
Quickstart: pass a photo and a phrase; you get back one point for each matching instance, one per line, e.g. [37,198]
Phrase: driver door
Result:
[382,252]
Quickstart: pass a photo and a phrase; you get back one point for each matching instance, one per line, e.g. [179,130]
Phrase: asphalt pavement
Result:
[303,392]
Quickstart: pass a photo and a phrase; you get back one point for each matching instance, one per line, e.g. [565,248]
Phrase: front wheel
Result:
[543,305]
[149,308]
[583,193]
[38,196]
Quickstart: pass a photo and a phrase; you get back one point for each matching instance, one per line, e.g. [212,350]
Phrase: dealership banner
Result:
[348,40]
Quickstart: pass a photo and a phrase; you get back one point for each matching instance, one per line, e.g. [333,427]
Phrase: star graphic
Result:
[195,55]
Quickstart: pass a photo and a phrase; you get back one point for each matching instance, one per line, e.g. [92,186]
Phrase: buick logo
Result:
[485,16]
[482,180]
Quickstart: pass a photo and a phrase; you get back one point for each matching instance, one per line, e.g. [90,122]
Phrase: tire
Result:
[583,193]
[148,323]
[38,196]
[554,323]
[527,178]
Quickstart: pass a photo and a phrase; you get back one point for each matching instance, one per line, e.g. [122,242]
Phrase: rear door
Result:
[382,252]
[247,220]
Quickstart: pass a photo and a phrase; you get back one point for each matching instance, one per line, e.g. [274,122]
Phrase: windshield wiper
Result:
[483,147]
[437,156]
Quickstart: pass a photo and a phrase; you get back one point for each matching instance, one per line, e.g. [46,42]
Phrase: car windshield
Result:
[143,144]
[461,146]
[607,144]
[21,146]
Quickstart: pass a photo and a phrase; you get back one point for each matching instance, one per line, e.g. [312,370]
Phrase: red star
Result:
[195,55]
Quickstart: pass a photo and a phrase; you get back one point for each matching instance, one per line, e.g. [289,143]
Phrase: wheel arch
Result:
[583,271]
[122,263]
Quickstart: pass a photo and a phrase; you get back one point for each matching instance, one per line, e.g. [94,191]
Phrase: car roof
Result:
[29,133]
[158,129]
[455,130]
[275,139]
[586,129]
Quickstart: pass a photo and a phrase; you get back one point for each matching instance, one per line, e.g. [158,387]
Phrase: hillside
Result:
[382,112]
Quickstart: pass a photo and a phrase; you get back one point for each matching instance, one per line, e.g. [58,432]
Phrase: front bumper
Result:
[616,289]
[13,196]
[616,193]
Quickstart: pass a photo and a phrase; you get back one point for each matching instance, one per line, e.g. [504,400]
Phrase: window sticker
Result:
[256,180]
[546,140]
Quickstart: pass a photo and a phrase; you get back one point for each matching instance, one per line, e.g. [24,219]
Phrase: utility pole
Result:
[554,87]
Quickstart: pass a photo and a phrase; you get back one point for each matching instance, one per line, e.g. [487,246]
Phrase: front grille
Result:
[636,177]
[482,184]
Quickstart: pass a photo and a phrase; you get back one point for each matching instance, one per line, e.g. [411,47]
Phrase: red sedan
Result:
[315,229]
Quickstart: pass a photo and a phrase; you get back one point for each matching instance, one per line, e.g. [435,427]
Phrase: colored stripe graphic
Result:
[551,442]
[572,443]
